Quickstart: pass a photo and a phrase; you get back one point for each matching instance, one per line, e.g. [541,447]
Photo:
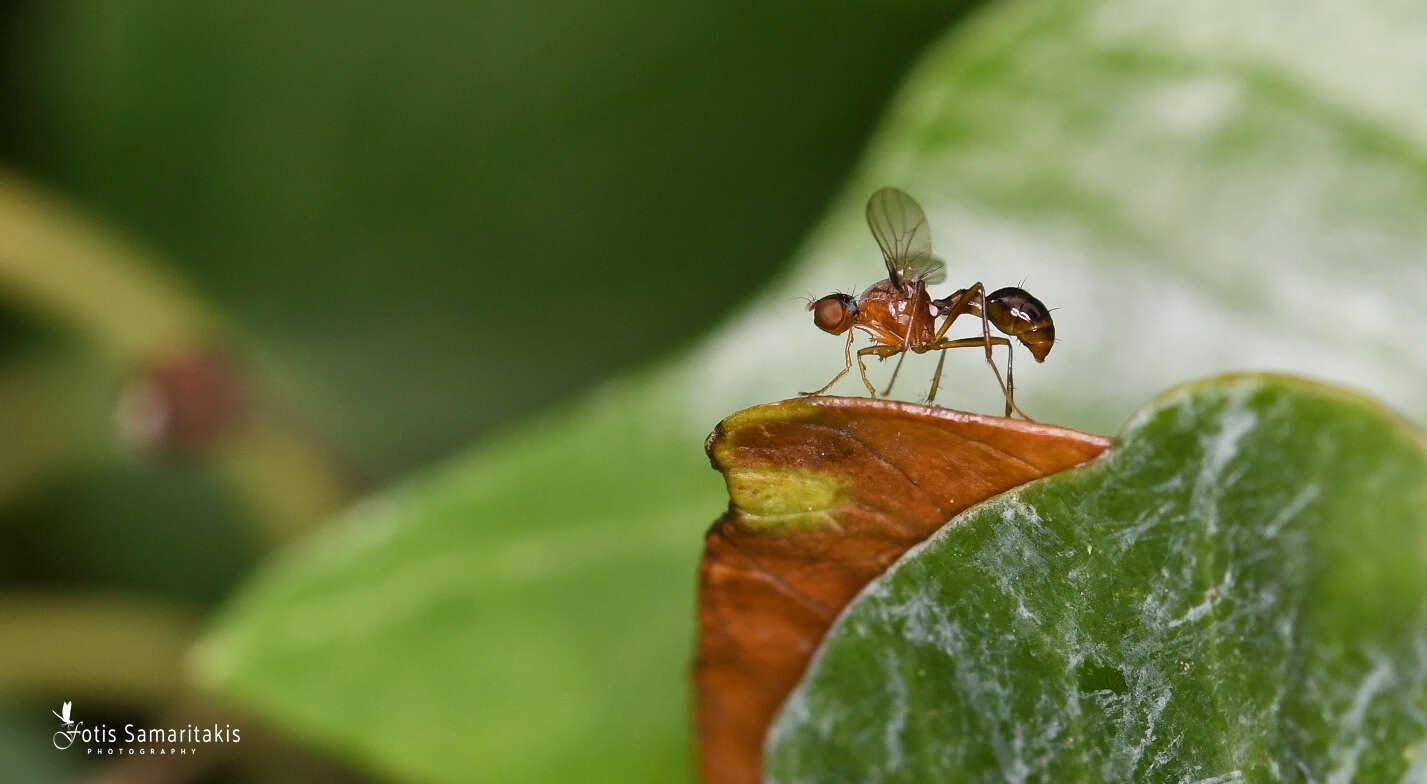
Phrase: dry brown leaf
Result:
[825,493]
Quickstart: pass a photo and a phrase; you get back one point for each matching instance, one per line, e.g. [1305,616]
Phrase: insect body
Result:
[1018,314]
[900,316]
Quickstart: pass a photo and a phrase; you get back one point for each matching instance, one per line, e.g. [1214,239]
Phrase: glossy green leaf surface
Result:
[1236,591]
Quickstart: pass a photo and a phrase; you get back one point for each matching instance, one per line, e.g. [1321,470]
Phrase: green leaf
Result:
[523,616]
[1201,187]
[1236,591]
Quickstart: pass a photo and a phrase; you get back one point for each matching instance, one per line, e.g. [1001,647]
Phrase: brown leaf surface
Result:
[825,493]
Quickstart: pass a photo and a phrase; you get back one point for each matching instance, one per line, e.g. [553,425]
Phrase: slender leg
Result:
[936,378]
[882,352]
[968,343]
[1011,381]
[847,354]
[906,341]
[973,300]
[981,341]
[986,336]
[956,305]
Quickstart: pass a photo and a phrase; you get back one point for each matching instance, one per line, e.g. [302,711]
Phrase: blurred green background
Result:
[419,224]
[440,219]
[320,250]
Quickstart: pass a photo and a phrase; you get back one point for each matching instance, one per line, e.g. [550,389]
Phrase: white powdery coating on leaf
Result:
[1220,448]
[1212,598]
[1225,778]
[897,720]
[1223,446]
[1351,724]
[923,618]
[1305,496]
[1017,548]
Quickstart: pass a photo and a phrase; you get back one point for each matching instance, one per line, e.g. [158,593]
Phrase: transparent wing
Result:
[900,228]
[932,273]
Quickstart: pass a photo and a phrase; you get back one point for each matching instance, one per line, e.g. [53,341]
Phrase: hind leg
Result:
[982,341]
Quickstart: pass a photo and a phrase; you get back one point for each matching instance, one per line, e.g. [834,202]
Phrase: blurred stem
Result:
[69,271]
[123,651]
[66,269]
[290,487]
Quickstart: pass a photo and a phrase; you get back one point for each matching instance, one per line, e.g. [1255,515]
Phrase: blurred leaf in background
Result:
[1200,187]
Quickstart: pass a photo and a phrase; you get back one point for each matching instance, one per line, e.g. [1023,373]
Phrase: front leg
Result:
[882,352]
[906,344]
[847,355]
